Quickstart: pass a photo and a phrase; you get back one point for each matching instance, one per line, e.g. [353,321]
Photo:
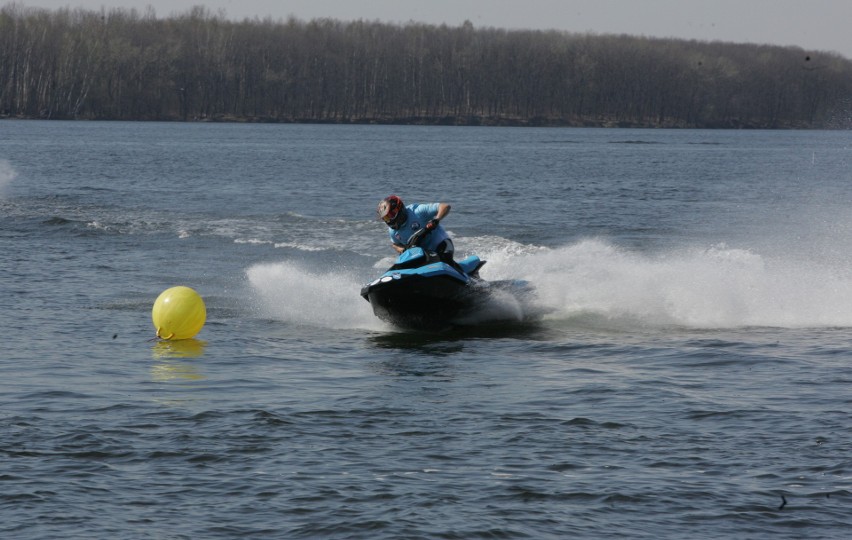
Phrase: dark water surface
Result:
[690,379]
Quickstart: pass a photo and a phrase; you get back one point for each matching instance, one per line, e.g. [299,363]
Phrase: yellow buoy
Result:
[178,313]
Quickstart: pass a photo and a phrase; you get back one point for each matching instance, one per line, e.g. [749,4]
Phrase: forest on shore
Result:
[122,64]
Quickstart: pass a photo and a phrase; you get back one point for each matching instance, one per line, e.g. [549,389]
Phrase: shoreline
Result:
[454,121]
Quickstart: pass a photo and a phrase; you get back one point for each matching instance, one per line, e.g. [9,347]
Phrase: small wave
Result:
[48,395]
[301,247]
[88,228]
[97,225]
[733,414]
[56,220]
[252,241]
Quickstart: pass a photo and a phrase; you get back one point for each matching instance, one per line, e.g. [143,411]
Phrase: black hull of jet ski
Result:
[418,302]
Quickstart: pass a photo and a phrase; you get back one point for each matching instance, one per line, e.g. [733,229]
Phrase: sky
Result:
[822,25]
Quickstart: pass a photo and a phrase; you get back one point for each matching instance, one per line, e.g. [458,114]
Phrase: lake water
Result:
[690,378]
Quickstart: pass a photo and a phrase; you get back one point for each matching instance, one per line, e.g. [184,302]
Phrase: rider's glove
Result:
[432,224]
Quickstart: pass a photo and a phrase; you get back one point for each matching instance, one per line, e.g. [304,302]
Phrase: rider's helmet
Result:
[392,211]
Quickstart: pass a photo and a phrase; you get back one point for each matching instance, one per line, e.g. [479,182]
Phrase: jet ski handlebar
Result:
[417,237]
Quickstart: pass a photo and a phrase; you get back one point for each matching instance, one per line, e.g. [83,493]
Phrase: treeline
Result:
[122,64]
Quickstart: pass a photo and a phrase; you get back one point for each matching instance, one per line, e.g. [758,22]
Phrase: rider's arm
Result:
[398,247]
[443,210]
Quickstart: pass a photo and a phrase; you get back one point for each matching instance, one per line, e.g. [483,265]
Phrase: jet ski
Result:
[420,291]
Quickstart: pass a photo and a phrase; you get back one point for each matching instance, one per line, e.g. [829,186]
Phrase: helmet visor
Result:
[385,212]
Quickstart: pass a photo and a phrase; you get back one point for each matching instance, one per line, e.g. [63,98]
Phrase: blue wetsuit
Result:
[417,216]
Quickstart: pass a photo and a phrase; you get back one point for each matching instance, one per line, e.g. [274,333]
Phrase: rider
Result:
[404,221]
